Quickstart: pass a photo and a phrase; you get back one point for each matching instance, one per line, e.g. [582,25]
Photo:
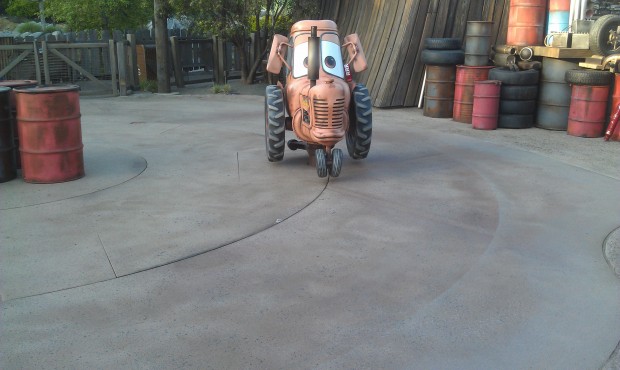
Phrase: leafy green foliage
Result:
[29,27]
[22,8]
[148,85]
[234,20]
[100,14]
[221,89]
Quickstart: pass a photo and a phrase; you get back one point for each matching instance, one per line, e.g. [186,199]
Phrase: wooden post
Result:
[37,67]
[113,65]
[161,46]
[122,67]
[176,61]
[133,62]
[219,57]
[46,65]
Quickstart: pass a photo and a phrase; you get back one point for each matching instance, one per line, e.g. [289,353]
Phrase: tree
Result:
[22,8]
[100,14]
[233,20]
[160,16]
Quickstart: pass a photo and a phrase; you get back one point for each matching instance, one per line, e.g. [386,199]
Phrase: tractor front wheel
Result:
[359,133]
[336,165]
[321,162]
[275,125]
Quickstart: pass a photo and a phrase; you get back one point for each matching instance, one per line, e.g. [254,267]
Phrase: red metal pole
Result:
[612,124]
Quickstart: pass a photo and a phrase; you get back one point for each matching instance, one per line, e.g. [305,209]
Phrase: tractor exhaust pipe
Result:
[314,56]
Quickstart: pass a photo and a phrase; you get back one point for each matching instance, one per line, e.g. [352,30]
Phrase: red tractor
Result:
[319,101]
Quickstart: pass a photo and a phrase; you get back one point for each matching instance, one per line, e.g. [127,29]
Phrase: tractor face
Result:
[319,113]
[318,99]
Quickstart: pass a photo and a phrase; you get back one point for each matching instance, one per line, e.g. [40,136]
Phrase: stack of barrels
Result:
[441,56]
[519,91]
[476,68]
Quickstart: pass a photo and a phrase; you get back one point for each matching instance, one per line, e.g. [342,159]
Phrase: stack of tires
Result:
[517,107]
[441,57]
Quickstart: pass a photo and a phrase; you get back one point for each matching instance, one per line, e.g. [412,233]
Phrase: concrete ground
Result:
[183,247]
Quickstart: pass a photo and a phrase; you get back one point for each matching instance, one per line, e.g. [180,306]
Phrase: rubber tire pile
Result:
[442,52]
[519,91]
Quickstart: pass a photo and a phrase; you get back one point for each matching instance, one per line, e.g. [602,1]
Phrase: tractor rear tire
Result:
[359,133]
[275,125]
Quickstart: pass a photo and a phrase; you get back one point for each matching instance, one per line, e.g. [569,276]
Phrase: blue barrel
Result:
[558,21]
[554,96]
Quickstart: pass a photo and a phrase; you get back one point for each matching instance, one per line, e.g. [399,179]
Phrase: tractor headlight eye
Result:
[330,62]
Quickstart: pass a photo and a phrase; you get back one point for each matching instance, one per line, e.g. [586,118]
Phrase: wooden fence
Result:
[102,62]
[392,34]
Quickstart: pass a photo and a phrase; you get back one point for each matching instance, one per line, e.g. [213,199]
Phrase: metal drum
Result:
[485,111]
[554,95]
[588,111]
[466,76]
[478,43]
[559,16]
[48,119]
[15,84]
[7,160]
[526,22]
[615,100]
[439,93]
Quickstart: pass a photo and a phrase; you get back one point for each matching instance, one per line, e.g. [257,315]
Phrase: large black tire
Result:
[508,77]
[443,57]
[588,77]
[600,36]
[514,92]
[515,121]
[517,106]
[275,125]
[359,133]
[442,43]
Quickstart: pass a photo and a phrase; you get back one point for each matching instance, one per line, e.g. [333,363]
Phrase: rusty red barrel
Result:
[466,76]
[485,111]
[559,14]
[13,84]
[615,98]
[587,115]
[526,22]
[48,120]
[8,170]
[439,92]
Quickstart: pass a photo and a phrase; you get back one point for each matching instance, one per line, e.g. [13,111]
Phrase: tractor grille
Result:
[323,110]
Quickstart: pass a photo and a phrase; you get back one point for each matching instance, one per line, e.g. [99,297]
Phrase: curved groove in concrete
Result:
[105,166]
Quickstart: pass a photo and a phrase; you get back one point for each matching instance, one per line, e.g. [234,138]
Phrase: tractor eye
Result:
[306,62]
[330,62]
